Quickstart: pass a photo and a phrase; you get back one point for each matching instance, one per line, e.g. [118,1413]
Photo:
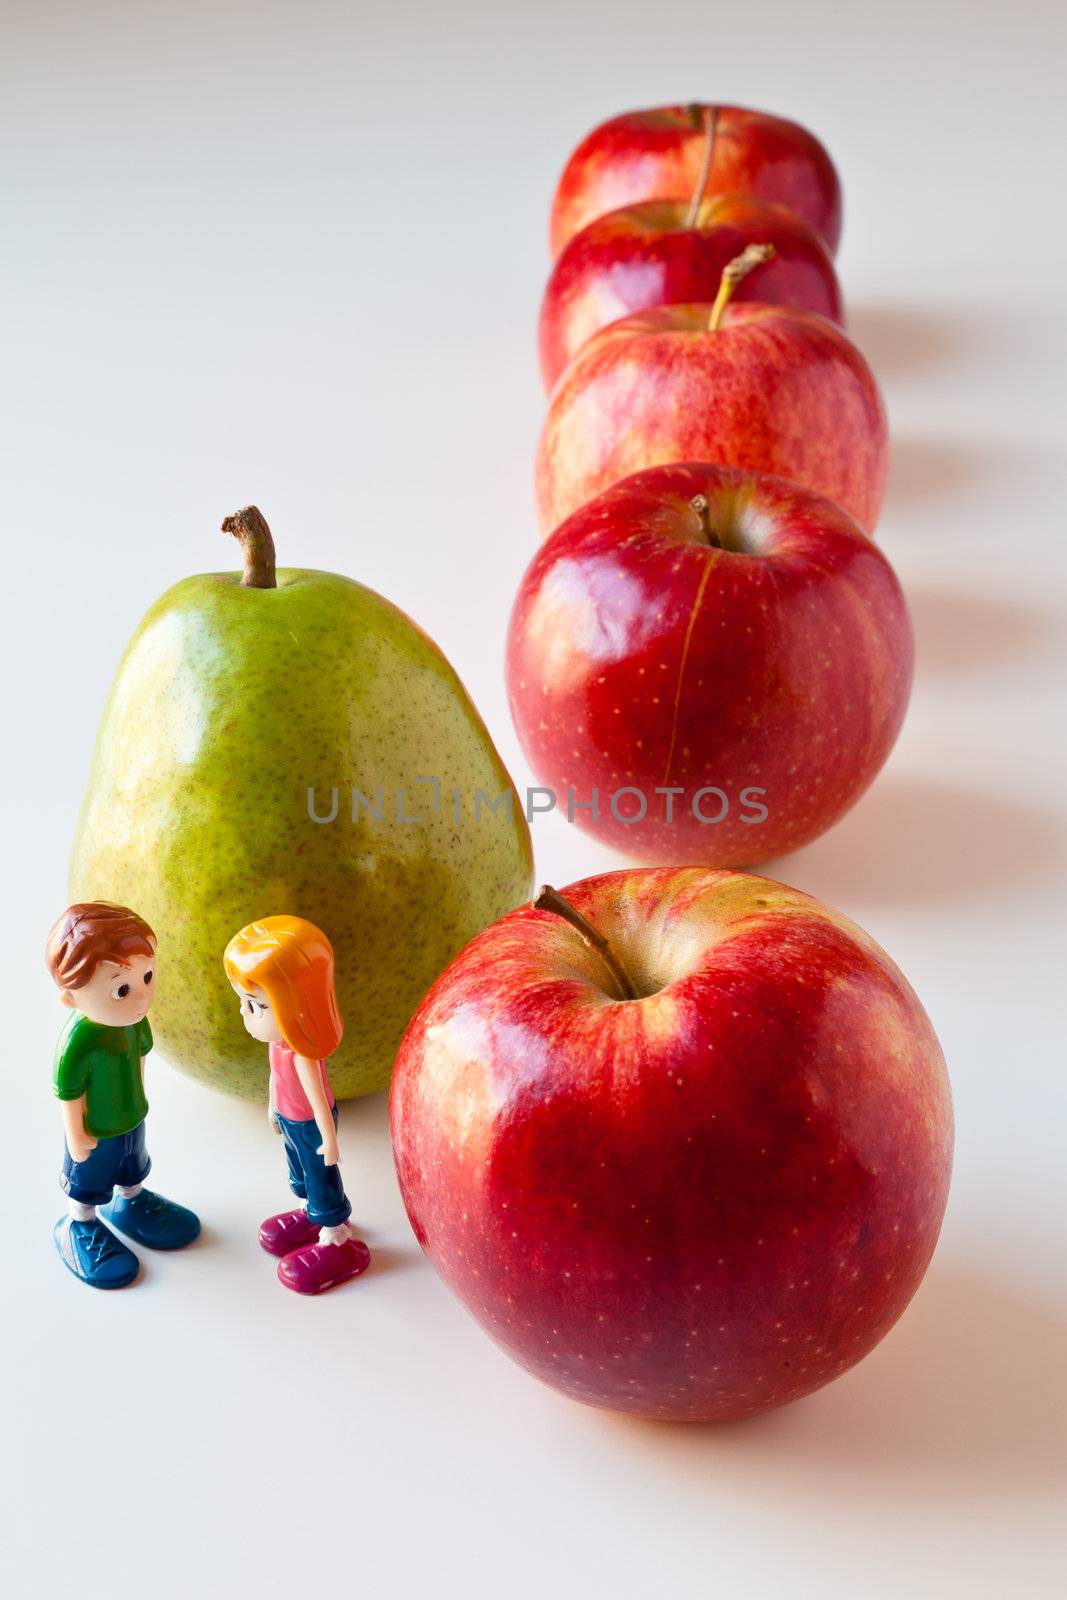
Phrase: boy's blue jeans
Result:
[120,1162]
[310,1178]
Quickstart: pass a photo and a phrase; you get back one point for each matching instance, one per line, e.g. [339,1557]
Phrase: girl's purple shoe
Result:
[288,1231]
[323,1266]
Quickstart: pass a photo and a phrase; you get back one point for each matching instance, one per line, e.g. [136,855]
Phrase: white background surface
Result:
[293,253]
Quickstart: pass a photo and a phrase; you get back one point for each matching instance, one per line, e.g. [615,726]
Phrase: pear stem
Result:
[754,255]
[249,528]
[549,899]
[709,117]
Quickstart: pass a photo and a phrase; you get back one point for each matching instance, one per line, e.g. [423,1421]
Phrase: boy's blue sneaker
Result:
[152,1220]
[93,1254]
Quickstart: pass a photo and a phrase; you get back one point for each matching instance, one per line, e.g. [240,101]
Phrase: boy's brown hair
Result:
[92,932]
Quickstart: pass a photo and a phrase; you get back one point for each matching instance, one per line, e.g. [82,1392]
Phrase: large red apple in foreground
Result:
[721,661]
[664,252]
[696,1203]
[763,387]
[660,154]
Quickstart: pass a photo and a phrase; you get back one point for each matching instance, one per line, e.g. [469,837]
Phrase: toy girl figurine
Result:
[281,970]
[102,959]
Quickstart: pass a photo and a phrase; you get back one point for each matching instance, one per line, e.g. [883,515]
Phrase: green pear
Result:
[291,742]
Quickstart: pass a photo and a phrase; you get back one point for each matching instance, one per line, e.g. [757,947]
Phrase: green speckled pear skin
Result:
[230,703]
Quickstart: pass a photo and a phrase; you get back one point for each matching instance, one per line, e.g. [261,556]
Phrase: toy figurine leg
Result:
[290,1139]
[149,1219]
[289,1230]
[336,1256]
[309,1176]
[153,1220]
[91,1182]
[92,1253]
[323,1266]
[86,1248]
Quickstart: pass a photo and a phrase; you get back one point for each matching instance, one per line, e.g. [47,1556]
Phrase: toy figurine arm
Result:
[310,1075]
[144,1039]
[80,1141]
[272,1109]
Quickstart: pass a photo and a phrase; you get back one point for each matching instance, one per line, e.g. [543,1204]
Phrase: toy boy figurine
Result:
[103,960]
[281,970]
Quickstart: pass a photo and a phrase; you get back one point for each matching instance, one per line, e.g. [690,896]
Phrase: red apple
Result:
[652,255]
[696,1203]
[763,387]
[658,155]
[718,634]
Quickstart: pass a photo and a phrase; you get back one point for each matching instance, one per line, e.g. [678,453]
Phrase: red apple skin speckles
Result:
[771,389]
[691,1206]
[646,255]
[641,656]
[656,155]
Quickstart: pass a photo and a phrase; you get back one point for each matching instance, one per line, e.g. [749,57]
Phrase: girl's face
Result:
[257,1015]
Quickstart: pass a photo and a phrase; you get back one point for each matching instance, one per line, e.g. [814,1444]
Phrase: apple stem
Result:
[709,117]
[249,528]
[549,899]
[753,255]
[700,505]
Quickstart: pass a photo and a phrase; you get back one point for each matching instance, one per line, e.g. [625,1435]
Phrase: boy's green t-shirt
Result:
[104,1065]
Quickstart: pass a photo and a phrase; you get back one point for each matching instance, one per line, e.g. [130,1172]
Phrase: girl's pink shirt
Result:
[290,1101]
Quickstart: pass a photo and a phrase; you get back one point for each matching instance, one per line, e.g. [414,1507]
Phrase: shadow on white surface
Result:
[955,631]
[966,1391]
[964,1398]
[899,340]
[913,840]
[392,1258]
[924,468]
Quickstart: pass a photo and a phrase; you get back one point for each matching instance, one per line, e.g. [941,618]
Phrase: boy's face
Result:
[256,1014]
[116,995]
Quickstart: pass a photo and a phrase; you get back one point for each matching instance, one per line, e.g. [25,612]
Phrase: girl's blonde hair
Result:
[292,961]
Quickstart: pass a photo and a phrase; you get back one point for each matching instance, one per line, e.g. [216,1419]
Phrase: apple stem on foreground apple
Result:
[249,528]
[753,255]
[702,508]
[709,117]
[549,899]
